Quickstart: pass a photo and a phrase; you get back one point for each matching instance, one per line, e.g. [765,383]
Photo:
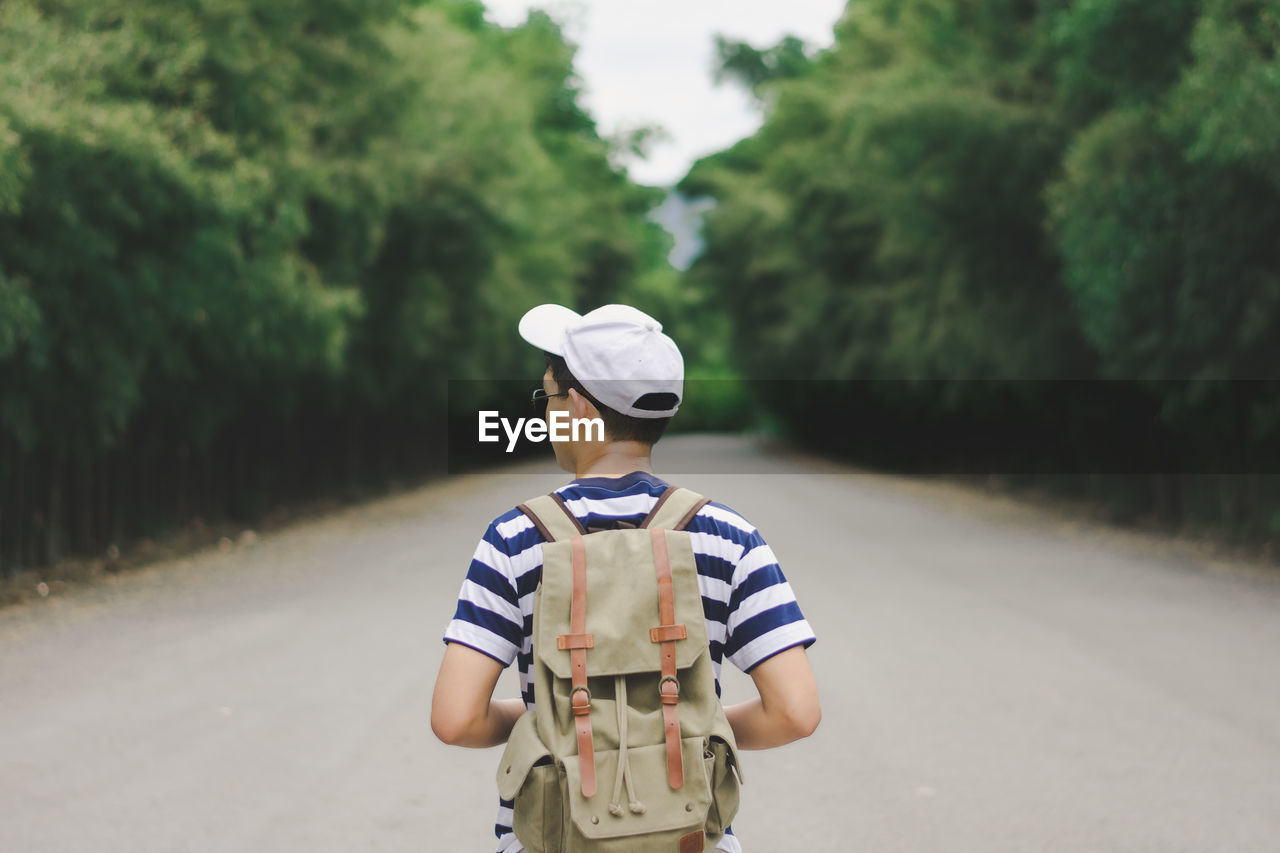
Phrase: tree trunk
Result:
[53,527]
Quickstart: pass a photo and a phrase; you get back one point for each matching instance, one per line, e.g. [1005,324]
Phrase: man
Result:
[615,364]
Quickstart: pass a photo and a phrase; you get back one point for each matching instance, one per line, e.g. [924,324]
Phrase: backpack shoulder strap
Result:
[675,508]
[555,522]
[552,518]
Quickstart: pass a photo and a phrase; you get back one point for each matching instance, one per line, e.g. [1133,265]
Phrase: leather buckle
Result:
[672,696]
[585,708]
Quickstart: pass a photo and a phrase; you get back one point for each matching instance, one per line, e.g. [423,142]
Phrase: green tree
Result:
[243,244]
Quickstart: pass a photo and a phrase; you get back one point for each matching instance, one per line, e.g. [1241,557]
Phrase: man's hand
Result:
[788,707]
[463,710]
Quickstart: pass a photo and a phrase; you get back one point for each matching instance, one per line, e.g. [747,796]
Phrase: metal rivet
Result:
[688,807]
[595,819]
[508,771]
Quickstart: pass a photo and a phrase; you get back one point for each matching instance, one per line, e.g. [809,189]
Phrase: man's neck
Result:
[616,459]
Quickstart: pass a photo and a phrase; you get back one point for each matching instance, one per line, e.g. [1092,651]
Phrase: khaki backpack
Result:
[628,749]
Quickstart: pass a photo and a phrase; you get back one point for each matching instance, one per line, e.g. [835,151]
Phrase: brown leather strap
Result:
[578,524]
[537,522]
[580,698]
[688,516]
[667,633]
[565,642]
[662,498]
[668,686]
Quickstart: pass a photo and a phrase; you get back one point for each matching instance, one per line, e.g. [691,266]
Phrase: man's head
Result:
[613,363]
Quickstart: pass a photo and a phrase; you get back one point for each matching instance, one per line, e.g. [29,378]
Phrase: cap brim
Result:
[544,325]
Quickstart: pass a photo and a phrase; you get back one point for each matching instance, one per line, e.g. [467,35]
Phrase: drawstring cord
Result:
[624,756]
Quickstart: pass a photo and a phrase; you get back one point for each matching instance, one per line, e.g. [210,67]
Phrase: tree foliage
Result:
[1012,190]
[239,220]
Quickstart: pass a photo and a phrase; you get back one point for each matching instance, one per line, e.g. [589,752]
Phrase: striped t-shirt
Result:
[751,612]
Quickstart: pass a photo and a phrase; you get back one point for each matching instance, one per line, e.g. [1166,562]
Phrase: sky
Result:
[650,62]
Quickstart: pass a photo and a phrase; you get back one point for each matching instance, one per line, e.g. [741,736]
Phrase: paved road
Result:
[989,684]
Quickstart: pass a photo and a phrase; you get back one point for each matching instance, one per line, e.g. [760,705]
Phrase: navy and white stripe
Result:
[751,612]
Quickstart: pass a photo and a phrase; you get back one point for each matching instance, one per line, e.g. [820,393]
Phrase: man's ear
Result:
[582,407]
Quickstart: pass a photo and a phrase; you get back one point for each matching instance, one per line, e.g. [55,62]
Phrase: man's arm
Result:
[463,710]
[788,707]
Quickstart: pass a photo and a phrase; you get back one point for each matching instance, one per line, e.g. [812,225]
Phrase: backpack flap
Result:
[620,573]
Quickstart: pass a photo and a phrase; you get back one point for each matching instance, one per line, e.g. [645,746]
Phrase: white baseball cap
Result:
[617,352]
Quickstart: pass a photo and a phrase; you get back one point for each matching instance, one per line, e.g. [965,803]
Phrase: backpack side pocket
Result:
[538,816]
[529,775]
[721,760]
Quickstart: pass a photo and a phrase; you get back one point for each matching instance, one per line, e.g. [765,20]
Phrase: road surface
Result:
[989,682]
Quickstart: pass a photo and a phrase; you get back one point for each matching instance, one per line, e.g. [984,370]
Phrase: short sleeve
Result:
[488,617]
[764,617]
